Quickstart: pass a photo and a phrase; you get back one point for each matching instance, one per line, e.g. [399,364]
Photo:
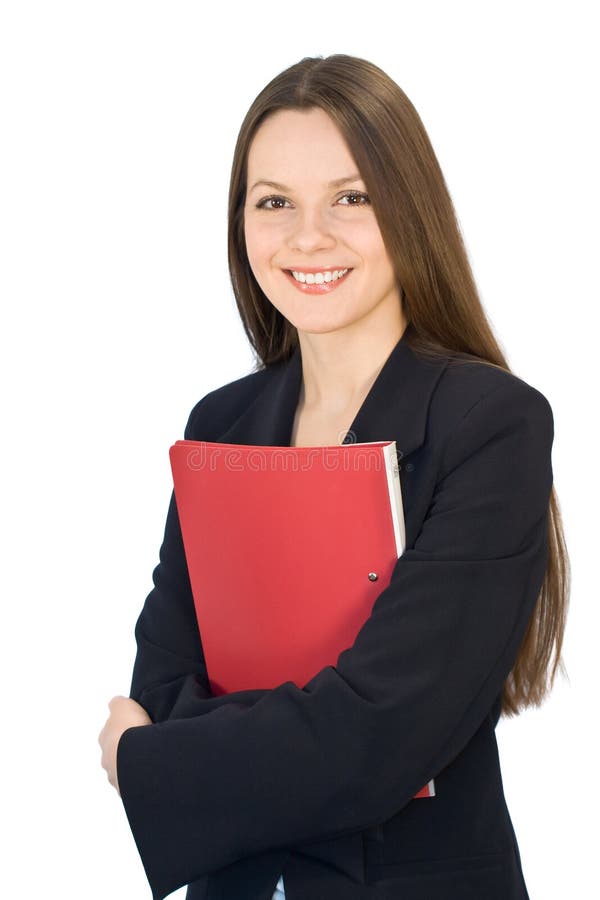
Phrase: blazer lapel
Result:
[395,408]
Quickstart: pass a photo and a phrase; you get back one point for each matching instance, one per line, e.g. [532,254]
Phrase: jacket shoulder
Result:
[464,383]
[215,411]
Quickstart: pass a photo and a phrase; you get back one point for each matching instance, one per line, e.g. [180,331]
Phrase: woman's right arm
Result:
[169,672]
[170,677]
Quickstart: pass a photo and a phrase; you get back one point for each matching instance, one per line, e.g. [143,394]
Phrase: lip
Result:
[324,288]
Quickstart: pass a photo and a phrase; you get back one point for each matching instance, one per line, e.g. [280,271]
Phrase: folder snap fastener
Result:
[373,576]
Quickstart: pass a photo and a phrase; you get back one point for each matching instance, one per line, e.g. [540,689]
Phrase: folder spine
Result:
[395,493]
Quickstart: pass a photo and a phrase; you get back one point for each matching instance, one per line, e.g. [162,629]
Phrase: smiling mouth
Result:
[320,286]
[318,276]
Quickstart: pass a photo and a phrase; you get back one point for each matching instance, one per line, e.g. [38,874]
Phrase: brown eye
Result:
[357,197]
[262,203]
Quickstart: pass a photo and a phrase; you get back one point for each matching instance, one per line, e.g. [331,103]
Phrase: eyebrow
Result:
[337,182]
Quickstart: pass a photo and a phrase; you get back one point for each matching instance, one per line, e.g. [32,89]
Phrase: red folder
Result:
[287,549]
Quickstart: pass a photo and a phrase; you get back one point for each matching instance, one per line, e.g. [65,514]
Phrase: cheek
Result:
[375,251]
[250,239]
[364,236]
[262,242]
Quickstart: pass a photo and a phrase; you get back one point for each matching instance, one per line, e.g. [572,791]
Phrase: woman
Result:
[356,294]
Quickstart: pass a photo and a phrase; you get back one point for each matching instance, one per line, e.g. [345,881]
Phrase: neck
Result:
[339,368]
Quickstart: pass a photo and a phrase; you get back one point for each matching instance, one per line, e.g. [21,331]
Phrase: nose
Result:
[311,231]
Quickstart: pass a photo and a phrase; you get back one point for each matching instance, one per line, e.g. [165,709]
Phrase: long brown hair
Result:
[441,303]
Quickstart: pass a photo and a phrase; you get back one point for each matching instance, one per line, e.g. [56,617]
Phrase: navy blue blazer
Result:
[225,793]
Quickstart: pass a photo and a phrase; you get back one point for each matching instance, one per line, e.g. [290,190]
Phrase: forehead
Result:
[299,143]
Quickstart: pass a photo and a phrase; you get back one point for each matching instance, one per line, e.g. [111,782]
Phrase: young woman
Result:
[355,291]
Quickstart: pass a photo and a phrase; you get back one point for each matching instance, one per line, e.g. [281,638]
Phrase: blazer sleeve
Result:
[169,669]
[169,673]
[352,747]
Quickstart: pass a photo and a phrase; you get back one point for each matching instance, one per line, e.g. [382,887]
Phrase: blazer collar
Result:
[395,408]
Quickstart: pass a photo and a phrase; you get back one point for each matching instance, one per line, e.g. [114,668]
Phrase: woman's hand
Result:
[124,713]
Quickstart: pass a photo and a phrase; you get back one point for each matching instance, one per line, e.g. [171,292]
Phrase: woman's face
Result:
[310,224]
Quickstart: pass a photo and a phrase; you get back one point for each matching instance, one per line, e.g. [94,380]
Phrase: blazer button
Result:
[408,467]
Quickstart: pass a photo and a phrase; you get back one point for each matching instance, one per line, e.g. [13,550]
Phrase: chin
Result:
[321,326]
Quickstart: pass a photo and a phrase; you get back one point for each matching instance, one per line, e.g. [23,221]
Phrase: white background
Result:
[119,121]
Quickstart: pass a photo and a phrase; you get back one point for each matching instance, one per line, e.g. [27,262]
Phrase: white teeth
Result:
[319,277]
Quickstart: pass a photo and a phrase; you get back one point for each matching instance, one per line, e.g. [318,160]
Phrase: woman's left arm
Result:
[354,745]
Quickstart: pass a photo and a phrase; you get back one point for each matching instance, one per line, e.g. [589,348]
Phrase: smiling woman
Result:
[355,291]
